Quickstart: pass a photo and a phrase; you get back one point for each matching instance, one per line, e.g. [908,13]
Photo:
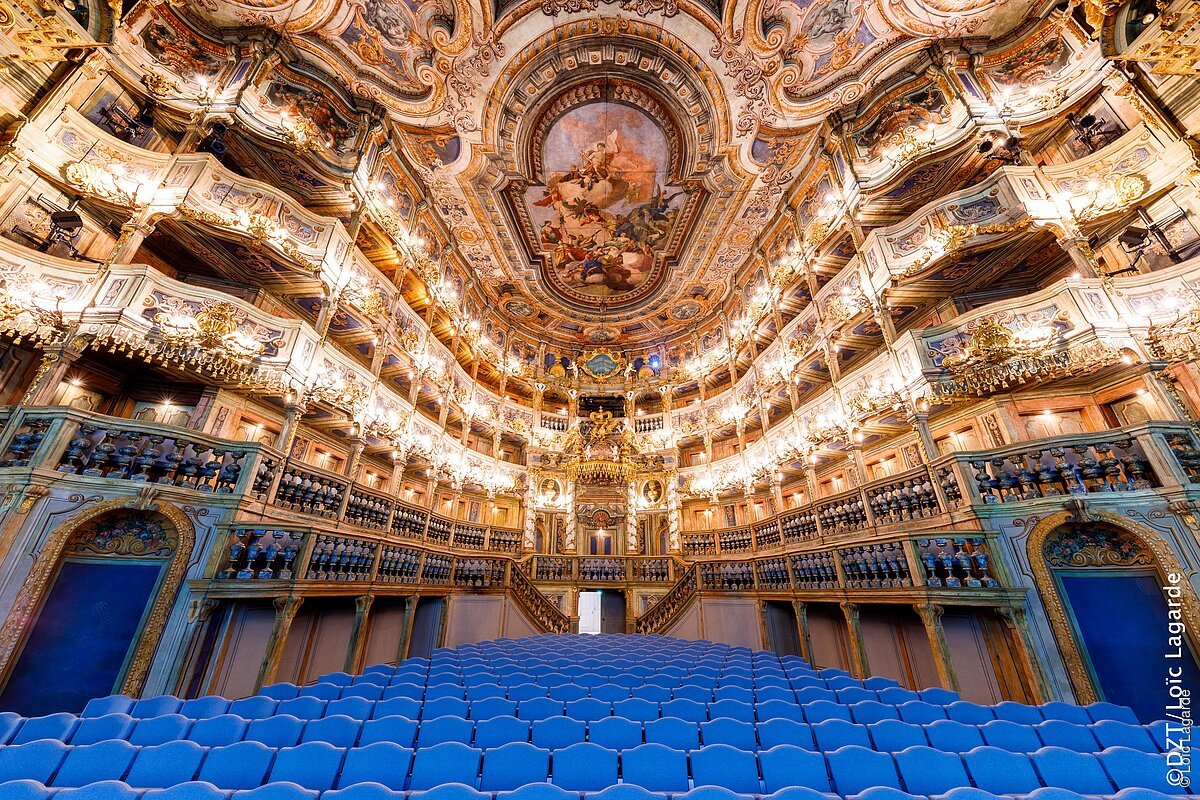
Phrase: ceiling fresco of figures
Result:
[585,172]
[607,206]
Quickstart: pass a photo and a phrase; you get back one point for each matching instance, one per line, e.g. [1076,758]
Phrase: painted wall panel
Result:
[972,664]
[384,630]
[516,624]
[688,624]
[246,643]
[827,629]
[473,619]
[732,621]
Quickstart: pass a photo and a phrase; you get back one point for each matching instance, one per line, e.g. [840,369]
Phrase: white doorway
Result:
[589,612]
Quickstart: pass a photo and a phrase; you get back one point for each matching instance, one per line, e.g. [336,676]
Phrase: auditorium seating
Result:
[584,718]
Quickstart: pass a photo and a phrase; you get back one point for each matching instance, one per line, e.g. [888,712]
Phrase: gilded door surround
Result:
[1165,562]
[37,585]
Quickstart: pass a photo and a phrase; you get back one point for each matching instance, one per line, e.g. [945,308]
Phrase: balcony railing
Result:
[915,564]
[86,445]
[1148,455]
[601,569]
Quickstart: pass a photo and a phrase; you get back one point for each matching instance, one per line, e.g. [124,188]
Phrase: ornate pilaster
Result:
[858,651]
[674,543]
[285,612]
[631,531]
[358,634]
[931,617]
[572,519]
[529,520]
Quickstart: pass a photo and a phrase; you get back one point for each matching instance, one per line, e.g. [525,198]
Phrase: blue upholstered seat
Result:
[856,769]
[678,734]
[52,726]
[382,762]
[584,767]
[558,732]
[1113,733]
[160,730]
[340,731]
[927,771]
[953,737]
[100,790]
[92,763]
[786,766]
[500,730]
[616,733]
[513,766]
[836,733]
[445,729]
[279,731]
[92,730]
[727,767]
[656,768]
[165,765]
[314,765]
[445,763]
[36,760]
[237,766]
[892,735]
[395,729]
[1076,772]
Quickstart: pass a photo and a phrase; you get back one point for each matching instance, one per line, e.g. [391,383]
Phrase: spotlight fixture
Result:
[1091,131]
[1004,149]
[214,142]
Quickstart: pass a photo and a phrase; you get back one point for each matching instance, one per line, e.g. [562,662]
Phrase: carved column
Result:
[858,651]
[529,540]
[631,532]
[674,543]
[285,612]
[801,609]
[931,617]
[51,371]
[358,634]
[129,240]
[406,627]
[292,412]
[572,520]
[1082,258]
[1022,641]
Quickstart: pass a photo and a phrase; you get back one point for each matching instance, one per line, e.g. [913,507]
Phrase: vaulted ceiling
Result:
[590,173]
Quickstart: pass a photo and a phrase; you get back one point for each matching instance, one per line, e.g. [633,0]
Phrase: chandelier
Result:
[214,328]
[601,450]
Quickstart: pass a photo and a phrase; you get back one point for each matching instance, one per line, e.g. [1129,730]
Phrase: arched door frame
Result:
[1165,562]
[38,583]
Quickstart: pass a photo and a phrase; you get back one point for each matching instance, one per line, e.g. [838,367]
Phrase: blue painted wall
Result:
[1122,618]
[82,636]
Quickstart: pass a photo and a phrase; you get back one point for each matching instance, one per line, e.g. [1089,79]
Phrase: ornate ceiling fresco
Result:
[585,173]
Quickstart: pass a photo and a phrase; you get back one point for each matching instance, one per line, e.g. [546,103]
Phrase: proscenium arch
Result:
[1165,562]
[39,581]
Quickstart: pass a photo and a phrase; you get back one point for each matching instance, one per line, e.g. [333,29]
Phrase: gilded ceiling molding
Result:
[698,11]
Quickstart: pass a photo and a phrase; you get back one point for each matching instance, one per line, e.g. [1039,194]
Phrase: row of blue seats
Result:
[596,678]
[614,732]
[683,671]
[116,790]
[562,694]
[586,766]
[866,711]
